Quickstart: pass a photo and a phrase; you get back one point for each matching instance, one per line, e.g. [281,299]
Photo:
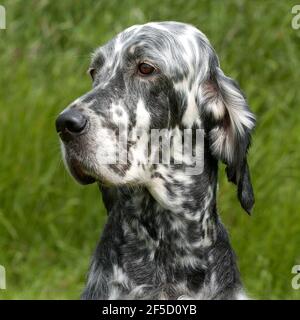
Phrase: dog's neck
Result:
[145,218]
[174,211]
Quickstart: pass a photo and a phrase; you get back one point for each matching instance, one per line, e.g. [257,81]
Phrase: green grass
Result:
[49,225]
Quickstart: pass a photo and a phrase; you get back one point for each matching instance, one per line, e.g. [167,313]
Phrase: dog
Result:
[163,238]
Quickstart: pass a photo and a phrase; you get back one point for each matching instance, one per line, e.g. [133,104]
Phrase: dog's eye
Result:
[92,72]
[146,69]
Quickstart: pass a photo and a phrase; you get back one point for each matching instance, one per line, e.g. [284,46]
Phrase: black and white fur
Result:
[163,238]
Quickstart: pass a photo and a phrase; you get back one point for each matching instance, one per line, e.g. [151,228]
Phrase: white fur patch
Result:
[142,116]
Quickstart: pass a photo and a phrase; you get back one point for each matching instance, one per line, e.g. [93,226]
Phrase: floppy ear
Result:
[231,123]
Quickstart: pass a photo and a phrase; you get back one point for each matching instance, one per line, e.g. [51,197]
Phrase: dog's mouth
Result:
[79,173]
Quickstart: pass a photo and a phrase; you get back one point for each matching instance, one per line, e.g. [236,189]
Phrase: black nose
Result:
[70,123]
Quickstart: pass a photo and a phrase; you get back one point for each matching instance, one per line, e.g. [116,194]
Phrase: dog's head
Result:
[159,76]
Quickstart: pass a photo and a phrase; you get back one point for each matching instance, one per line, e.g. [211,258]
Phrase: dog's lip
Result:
[78,173]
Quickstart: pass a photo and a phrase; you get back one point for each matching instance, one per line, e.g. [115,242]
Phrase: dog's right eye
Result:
[145,68]
[92,72]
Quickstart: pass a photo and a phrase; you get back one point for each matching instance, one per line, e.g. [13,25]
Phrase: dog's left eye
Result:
[146,69]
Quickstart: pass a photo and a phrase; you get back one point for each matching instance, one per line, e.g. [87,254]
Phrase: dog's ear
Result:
[230,128]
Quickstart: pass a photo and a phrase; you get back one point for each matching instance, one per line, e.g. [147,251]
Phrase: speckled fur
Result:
[163,238]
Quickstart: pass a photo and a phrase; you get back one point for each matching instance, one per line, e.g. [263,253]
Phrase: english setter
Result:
[163,238]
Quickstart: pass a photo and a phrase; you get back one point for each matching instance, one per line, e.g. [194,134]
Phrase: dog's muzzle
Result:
[70,125]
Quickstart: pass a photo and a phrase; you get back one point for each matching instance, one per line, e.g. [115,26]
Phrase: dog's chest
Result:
[151,269]
[122,286]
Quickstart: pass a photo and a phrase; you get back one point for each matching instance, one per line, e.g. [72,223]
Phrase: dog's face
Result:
[162,76]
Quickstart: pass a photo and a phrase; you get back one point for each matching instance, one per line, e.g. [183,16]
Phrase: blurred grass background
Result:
[49,225]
